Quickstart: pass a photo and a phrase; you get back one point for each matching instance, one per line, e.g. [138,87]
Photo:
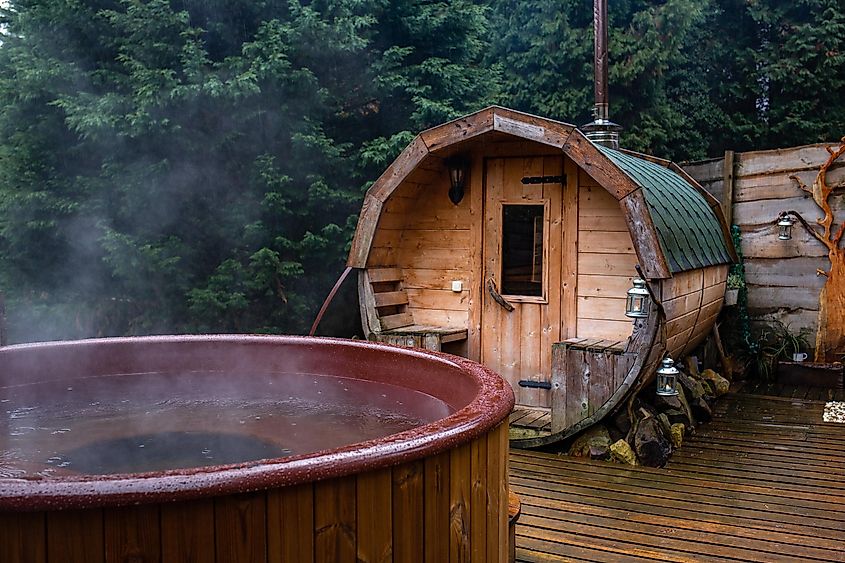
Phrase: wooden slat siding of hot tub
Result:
[132,533]
[448,507]
[75,535]
[23,537]
[335,525]
[408,511]
[606,260]
[188,531]
[240,528]
[375,516]
[290,524]
[437,507]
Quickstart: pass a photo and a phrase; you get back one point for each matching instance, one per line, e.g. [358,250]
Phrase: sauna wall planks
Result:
[606,261]
[423,233]
[781,275]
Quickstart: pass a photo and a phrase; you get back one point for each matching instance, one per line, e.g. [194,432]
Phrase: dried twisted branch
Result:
[821,192]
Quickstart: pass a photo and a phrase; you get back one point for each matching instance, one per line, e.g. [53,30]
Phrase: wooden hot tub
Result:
[433,492]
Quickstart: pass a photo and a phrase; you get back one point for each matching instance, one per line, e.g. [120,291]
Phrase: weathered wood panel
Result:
[587,372]
[781,275]
[414,512]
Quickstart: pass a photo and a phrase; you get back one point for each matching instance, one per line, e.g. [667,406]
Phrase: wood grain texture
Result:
[409,512]
[438,507]
[723,495]
[460,515]
[781,275]
[240,528]
[644,235]
[334,520]
[449,506]
[22,537]
[75,536]
[459,130]
[187,532]
[569,277]
[598,166]
[398,170]
[365,231]
[290,524]
[131,534]
[479,492]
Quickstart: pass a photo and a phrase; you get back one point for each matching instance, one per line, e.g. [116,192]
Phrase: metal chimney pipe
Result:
[600,60]
[601,130]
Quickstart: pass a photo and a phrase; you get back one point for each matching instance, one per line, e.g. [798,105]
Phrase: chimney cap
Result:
[603,132]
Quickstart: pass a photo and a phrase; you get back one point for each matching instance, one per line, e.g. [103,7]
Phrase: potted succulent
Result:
[735,283]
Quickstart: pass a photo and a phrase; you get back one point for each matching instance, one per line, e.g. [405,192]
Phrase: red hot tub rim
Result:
[490,406]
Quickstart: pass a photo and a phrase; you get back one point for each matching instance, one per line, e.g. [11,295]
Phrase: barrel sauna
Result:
[533,255]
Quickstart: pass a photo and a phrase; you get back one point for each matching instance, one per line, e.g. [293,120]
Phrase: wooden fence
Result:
[754,187]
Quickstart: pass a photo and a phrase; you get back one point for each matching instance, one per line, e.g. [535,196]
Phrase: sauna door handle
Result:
[497,297]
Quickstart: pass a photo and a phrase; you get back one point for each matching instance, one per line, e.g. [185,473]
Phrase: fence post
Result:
[728,182]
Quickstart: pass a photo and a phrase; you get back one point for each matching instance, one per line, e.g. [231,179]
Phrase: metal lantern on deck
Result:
[639,301]
[667,378]
[785,223]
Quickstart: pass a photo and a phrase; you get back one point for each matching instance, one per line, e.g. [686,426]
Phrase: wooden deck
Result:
[764,481]
[532,418]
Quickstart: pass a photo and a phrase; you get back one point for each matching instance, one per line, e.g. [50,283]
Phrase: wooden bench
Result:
[389,317]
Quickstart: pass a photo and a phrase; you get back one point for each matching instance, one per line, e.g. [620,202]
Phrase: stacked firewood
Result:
[652,426]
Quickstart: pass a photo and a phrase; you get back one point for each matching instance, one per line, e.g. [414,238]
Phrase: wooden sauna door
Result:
[522,242]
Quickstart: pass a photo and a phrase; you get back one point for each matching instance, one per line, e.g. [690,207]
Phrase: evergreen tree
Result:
[199,165]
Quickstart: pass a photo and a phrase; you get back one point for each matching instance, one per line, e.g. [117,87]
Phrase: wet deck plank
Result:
[765,482]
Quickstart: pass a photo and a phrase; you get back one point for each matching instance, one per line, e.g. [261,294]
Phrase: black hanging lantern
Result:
[785,223]
[639,302]
[667,378]
[458,167]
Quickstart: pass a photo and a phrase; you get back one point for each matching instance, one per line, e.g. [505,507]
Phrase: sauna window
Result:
[522,250]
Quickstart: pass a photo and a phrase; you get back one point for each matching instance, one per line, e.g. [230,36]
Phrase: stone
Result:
[691,386]
[720,384]
[676,417]
[651,444]
[621,451]
[677,433]
[709,390]
[668,402]
[593,443]
[701,410]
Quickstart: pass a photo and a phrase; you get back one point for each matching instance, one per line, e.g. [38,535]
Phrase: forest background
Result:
[198,165]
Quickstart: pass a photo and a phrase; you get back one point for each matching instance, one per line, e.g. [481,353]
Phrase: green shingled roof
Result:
[689,232]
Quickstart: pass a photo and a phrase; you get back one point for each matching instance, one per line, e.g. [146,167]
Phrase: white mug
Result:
[799,357]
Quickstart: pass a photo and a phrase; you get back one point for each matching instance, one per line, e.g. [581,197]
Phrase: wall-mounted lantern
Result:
[639,302]
[667,378]
[458,167]
[785,223]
